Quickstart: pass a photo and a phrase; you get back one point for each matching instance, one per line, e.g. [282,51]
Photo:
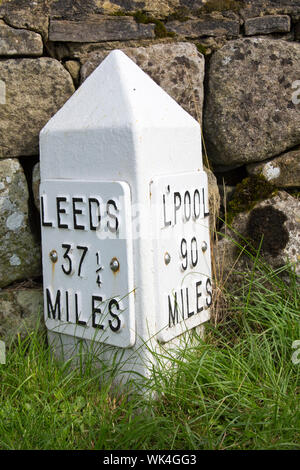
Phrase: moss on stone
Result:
[159,29]
[141,17]
[202,49]
[120,13]
[251,190]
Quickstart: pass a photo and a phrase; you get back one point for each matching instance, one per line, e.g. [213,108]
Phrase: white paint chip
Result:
[14,260]
[14,221]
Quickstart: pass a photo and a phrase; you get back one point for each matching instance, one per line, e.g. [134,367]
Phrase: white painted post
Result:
[124,205]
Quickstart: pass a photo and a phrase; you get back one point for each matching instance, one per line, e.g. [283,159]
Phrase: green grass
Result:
[237,390]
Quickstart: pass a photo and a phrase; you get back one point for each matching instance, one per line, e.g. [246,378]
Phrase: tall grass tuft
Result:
[238,389]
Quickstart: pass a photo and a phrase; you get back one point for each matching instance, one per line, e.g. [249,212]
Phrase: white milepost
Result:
[124,206]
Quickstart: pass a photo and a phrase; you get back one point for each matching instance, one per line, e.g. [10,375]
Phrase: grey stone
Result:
[282,171]
[283,36]
[64,51]
[83,51]
[267,24]
[277,220]
[250,113]
[177,68]
[20,256]
[270,7]
[70,9]
[103,29]
[19,42]
[205,27]
[21,312]
[73,67]
[35,89]
[27,14]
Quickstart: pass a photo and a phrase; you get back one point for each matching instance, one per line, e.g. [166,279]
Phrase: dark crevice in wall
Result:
[231,177]
[242,29]
[28,283]
[27,164]
[288,149]
[205,90]
[50,50]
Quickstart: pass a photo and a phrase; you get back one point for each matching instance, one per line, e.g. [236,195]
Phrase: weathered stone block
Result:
[267,25]
[70,9]
[177,68]
[274,224]
[205,27]
[83,51]
[282,171]
[21,312]
[27,14]
[250,113]
[104,29]
[19,42]
[73,67]
[34,90]
[270,7]
[20,256]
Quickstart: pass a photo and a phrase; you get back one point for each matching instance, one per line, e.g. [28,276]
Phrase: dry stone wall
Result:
[233,65]
[250,114]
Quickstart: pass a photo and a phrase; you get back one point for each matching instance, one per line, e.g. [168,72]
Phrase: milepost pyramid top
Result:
[118,94]
[119,118]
